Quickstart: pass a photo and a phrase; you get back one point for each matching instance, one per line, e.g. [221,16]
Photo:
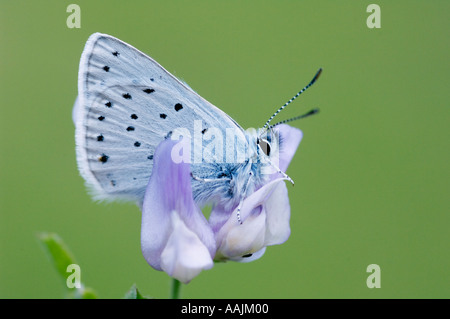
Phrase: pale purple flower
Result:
[177,238]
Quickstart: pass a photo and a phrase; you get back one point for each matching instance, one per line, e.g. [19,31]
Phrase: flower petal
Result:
[256,199]
[169,192]
[243,239]
[290,138]
[278,211]
[235,240]
[184,256]
[252,257]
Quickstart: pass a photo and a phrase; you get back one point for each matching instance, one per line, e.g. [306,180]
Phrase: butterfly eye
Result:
[265,146]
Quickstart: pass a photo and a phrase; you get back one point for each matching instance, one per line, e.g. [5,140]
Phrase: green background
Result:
[372,175]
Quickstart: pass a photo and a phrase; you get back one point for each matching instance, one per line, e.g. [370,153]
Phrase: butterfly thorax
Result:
[226,184]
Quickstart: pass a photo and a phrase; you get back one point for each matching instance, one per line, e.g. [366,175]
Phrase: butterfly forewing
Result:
[127,105]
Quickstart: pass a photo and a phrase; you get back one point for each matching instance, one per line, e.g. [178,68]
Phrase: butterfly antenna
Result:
[294,97]
[312,112]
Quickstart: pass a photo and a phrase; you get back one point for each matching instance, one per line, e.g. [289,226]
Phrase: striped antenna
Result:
[295,96]
[312,112]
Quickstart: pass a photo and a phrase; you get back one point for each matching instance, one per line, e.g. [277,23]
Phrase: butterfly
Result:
[128,103]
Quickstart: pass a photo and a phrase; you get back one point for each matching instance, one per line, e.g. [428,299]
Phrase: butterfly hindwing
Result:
[127,105]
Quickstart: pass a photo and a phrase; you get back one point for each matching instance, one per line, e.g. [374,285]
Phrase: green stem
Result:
[175,289]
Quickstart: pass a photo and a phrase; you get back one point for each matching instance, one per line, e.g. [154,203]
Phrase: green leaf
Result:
[85,293]
[134,293]
[61,257]
[58,253]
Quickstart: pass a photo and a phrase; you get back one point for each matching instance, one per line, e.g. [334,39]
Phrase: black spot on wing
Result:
[178,107]
[148,91]
[127,96]
[103,158]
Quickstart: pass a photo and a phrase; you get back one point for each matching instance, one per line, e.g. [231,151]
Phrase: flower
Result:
[265,213]
[265,221]
[177,238]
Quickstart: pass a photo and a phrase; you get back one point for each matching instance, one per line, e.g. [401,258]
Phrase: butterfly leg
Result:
[238,213]
[281,172]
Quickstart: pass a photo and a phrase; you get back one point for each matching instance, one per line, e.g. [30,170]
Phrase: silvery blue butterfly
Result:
[128,104]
